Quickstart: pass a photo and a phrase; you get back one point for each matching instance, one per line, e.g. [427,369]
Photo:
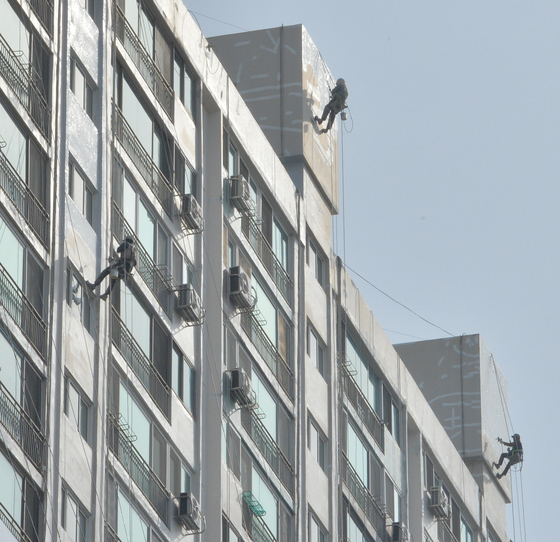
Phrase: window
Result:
[183,272]
[273,231]
[316,532]
[78,299]
[392,499]
[316,263]
[76,408]
[180,476]
[315,350]
[25,157]
[364,461]
[364,377]
[466,532]
[89,6]
[185,177]
[391,414]
[22,266]
[229,534]
[268,501]
[20,499]
[184,84]
[183,379]
[317,444]
[81,88]
[73,518]
[20,380]
[276,326]
[80,191]
[354,532]
[233,160]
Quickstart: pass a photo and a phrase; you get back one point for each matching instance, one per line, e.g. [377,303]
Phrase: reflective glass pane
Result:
[358,455]
[137,117]
[11,254]
[132,527]
[136,319]
[280,244]
[10,367]
[267,310]
[139,424]
[10,488]
[268,502]
[14,32]
[15,149]
[147,230]
[129,203]
[267,405]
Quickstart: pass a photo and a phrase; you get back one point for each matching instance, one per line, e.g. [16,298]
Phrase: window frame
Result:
[81,517]
[82,419]
[86,94]
[85,202]
[319,449]
[319,359]
[178,379]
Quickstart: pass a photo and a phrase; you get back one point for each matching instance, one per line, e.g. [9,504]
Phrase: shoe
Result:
[90,285]
[495,465]
[323,131]
[498,476]
[104,296]
[317,120]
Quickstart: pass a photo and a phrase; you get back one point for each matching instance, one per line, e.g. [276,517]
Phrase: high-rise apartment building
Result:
[234,386]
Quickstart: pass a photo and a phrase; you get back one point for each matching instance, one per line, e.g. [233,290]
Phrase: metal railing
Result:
[140,364]
[16,304]
[445,534]
[111,535]
[20,79]
[363,407]
[44,11]
[268,351]
[366,501]
[142,474]
[269,448]
[12,525]
[23,199]
[22,428]
[157,278]
[144,62]
[149,171]
[260,531]
[266,255]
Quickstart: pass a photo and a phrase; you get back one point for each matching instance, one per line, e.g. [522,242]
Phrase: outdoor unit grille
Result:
[188,303]
[240,288]
[191,213]
[439,502]
[240,194]
[241,388]
[189,513]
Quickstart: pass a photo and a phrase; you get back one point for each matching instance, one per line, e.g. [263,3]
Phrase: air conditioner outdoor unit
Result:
[191,212]
[439,502]
[241,388]
[240,288]
[188,303]
[399,533]
[189,512]
[240,193]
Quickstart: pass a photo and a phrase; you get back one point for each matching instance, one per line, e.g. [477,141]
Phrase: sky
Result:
[450,193]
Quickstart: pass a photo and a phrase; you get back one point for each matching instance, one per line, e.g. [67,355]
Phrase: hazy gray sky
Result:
[451,183]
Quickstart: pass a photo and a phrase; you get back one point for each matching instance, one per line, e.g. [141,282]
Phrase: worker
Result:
[119,267]
[336,105]
[514,454]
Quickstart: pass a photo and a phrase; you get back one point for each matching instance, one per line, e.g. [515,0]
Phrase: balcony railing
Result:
[142,474]
[254,524]
[157,278]
[44,11]
[12,525]
[16,304]
[140,364]
[142,160]
[266,255]
[269,448]
[23,199]
[363,407]
[144,62]
[18,423]
[445,534]
[361,493]
[268,351]
[23,85]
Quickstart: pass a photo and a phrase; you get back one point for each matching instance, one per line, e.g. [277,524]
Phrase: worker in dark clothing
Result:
[336,105]
[514,455]
[118,268]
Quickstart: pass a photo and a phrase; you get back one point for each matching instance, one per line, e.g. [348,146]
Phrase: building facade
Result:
[234,386]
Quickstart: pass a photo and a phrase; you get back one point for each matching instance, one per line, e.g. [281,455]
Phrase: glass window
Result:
[267,404]
[317,444]
[316,262]
[11,253]
[80,192]
[183,378]
[316,533]
[267,310]
[267,500]
[136,115]
[11,489]
[315,350]
[73,519]
[183,84]
[280,244]
[76,408]
[16,143]
[354,533]
[365,377]
[131,526]
[358,455]
[466,532]
[137,421]
[136,318]
[233,165]
[81,88]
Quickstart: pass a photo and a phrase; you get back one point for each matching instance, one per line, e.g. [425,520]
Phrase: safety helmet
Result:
[129,239]
[341,81]
[515,436]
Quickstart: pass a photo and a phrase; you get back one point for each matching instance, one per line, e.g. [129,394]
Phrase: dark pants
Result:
[123,267]
[513,460]
[331,109]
